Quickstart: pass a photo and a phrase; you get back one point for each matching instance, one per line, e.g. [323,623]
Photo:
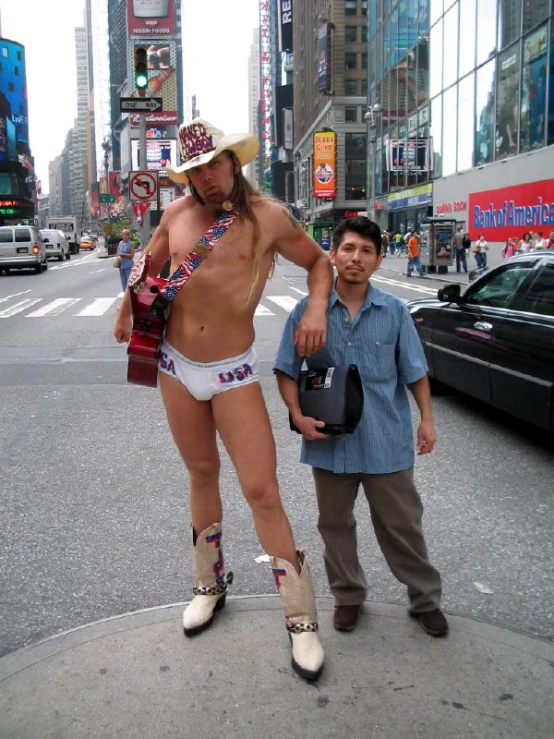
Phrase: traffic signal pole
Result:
[145,225]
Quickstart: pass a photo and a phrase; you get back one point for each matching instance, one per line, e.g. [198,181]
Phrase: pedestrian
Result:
[480,250]
[414,254]
[209,370]
[540,242]
[550,244]
[510,248]
[126,253]
[525,243]
[459,249]
[467,244]
[384,242]
[374,330]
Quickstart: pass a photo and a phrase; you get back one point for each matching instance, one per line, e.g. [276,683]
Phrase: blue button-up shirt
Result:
[383,342]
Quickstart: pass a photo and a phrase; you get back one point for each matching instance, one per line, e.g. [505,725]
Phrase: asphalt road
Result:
[93,496]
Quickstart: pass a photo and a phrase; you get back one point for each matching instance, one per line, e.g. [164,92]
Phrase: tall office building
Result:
[78,151]
[253,169]
[330,87]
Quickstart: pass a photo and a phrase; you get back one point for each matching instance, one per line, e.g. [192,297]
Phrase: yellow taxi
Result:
[86,242]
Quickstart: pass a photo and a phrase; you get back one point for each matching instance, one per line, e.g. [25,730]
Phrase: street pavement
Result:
[95,525]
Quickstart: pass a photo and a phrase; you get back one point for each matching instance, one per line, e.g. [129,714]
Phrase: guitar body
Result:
[146,337]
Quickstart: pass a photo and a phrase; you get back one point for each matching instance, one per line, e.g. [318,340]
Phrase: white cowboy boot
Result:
[297,592]
[210,582]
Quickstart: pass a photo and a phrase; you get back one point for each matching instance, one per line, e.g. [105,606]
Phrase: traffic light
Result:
[141,71]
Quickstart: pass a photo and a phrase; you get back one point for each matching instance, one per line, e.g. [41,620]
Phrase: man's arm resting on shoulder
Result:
[289,393]
[293,243]
[426,434]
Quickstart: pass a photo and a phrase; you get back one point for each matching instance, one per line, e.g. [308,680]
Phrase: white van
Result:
[56,244]
[22,247]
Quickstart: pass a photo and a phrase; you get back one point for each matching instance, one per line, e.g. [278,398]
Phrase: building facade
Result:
[254,168]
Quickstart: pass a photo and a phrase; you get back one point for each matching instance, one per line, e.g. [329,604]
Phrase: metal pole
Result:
[372,150]
[145,225]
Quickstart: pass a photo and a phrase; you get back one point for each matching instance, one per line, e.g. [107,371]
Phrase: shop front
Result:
[408,208]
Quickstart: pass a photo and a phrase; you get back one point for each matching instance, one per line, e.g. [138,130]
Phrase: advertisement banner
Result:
[285,25]
[324,58]
[158,153]
[167,118]
[114,183]
[288,127]
[14,112]
[153,18]
[511,211]
[412,154]
[414,197]
[325,165]
[162,75]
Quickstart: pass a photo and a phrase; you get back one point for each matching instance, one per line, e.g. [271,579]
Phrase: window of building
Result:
[466,122]
[364,34]
[533,90]
[484,115]
[449,130]
[351,34]
[422,70]
[350,114]
[540,298]
[450,55]
[355,176]
[364,7]
[16,71]
[436,135]
[435,46]
[350,7]
[11,87]
[364,61]
[509,22]
[507,101]
[486,30]
[534,12]
[467,37]
[350,87]
[350,59]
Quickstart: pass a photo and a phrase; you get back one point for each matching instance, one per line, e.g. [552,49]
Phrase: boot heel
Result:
[220,603]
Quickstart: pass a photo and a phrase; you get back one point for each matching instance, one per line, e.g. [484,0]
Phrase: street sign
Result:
[138,105]
[143,187]
[139,210]
[106,197]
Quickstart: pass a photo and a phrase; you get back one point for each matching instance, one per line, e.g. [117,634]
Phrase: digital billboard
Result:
[324,75]
[325,165]
[14,113]
[158,153]
[153,18]
[162,72]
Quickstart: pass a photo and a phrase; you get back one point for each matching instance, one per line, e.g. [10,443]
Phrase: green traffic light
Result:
[141,80]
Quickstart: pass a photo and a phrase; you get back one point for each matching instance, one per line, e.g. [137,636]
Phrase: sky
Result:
[217,36]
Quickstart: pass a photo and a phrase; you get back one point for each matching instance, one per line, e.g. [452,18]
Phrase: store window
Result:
[351,34]
[450,126]
[533,90]
[351,114]
[484,115]
[350,87]
[534,12]
[466,122]
[467,36]
[486,30]
[450,57]
[350,60]
[509,22]
[507,102]
[435,43]
[350,7]
[436,135]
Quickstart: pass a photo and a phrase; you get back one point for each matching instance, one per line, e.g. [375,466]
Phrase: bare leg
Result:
[243,423]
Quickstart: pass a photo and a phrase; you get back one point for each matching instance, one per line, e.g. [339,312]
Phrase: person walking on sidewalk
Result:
[459,249]
[414,254]
[126,254]
[374,330]
[480,250]
[209,370]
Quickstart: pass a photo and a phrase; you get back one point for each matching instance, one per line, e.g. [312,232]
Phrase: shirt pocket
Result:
[379,362]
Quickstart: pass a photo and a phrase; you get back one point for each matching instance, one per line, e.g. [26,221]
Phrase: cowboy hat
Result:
[200,142]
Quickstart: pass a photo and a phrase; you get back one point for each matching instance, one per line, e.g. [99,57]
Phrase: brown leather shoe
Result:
[346,617]
[433,622]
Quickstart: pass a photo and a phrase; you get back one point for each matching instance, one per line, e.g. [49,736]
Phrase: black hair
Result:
[360,225]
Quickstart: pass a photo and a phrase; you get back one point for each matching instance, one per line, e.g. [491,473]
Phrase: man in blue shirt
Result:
[374,330]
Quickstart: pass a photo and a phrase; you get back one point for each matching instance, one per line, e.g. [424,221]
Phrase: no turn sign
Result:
[143,187]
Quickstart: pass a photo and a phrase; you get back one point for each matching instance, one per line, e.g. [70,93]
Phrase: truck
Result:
[70,227]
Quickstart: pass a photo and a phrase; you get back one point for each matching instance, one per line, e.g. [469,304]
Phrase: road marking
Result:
[287,302]
[261,310]
[18,307]
[54,308]
[78,263]
[97,308]
[14,295]
[406,286]
[302,292]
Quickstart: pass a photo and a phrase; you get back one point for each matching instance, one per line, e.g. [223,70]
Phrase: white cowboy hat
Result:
[200,142]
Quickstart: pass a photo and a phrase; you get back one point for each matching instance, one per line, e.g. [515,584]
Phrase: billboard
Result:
[510,211]
[162,72]
[158,153]
[324,72]
[325,165]
[14,113]
[153,18]
[285,25]
[412,154]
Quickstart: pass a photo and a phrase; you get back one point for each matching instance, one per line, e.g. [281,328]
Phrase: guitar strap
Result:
[192,261]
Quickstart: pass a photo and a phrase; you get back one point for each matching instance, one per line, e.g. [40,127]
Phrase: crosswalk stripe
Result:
[261,310]
[18,307]
[54,308]
[97,308]
[283,301]
[13,295]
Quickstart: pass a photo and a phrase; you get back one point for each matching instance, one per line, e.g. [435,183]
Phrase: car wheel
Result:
[60,257]
[68,255]
[38,268]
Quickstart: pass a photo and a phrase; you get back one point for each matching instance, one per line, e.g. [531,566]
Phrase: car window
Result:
[499,288]
[6,236]
[22,235]
[540,298]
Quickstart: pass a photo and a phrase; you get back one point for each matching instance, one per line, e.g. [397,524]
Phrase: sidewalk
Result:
[137,676]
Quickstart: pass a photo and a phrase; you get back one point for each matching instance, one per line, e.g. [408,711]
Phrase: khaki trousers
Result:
[396,513]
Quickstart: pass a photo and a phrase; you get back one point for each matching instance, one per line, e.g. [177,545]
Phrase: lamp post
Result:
[370,116]
[107,148]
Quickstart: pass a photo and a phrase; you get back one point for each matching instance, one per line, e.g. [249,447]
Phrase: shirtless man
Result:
[208,368]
